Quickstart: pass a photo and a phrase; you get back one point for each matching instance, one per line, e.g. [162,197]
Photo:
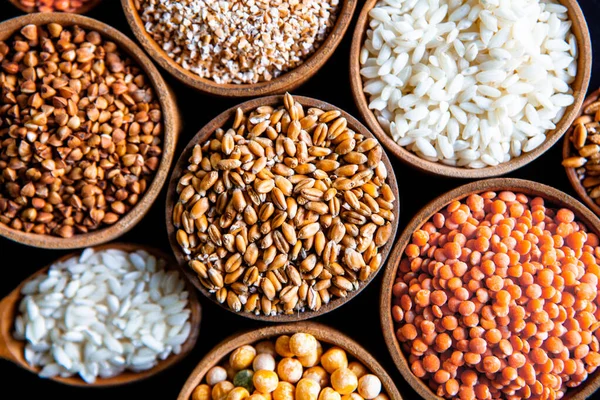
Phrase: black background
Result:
[358,319]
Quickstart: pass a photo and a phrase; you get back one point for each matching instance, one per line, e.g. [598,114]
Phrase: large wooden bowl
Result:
[569,151]
[227,118]
[321,332]
[285,82]
[580,85]
[172,127]
[81,10]
[554,196]
[13,350]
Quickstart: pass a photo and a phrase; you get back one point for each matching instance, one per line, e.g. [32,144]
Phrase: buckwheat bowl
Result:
[88,129]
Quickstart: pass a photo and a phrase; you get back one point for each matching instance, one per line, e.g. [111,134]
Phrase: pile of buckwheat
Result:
[238,41]
[80,131]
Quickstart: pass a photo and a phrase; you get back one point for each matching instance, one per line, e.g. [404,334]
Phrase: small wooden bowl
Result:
[530,188]
[580,86]
[201,137]
[13,350]
[321,332]
[81,10]
[568,151]
[172,127]
[286,82]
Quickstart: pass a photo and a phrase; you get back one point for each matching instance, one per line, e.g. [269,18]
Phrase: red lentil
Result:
[499,299]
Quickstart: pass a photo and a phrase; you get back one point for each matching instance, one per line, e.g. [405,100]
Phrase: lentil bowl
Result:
[288,80]
[496,336]
[115,213]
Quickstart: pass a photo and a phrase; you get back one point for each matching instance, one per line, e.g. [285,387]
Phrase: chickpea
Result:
[238,393]
[221,390]
[289,370]
[329,394]
[369,386]
[307,389]
[215,375]
[284,391]
[303,344]
[265,347]
[333,359]
[312,359]
[264,361]
[265,381]
[282,346]
[344,381]
[202,392]
[242,357]
[318,374]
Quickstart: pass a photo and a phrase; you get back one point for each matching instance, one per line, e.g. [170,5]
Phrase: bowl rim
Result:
[202,136]
[285,82]
[556,198]
[584,67]
[171,122]
[85,8]
[121,379]
[568,152]
[322,333]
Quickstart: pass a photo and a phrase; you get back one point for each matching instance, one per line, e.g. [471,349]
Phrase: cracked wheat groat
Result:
[284,209]
[236,41]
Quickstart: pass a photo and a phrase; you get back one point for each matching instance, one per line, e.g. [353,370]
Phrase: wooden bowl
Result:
[580,86]
[201,137]
[172,127]
[569,151]
[13,350]
[285,82]
[530,188]
[323,333]
[85,8]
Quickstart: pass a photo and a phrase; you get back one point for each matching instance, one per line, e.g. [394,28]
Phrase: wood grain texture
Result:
[13,350]
[172,128]
[227,118]
[580,86]
[286,82]
[569,151]
[555,197]
[323,333]
[81,10]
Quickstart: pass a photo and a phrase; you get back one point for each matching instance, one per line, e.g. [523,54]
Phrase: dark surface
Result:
[359,318]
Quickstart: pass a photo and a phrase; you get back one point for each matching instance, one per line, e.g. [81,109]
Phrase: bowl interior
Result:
[555,197]
[17,347]
[285,82]
[171,131]
[201,137]
[569,151]
[579,86]
[320,332]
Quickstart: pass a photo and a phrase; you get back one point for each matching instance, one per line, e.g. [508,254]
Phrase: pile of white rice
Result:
[469,83]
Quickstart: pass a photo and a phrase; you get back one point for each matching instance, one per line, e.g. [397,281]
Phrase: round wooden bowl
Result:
[172,127]
[321,332]
[554,196]
[81,10]
[580,86]
[568,151]
[285,82]
[13,350]
[201,137]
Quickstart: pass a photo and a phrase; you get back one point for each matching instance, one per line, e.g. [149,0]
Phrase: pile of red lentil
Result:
[497,298]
